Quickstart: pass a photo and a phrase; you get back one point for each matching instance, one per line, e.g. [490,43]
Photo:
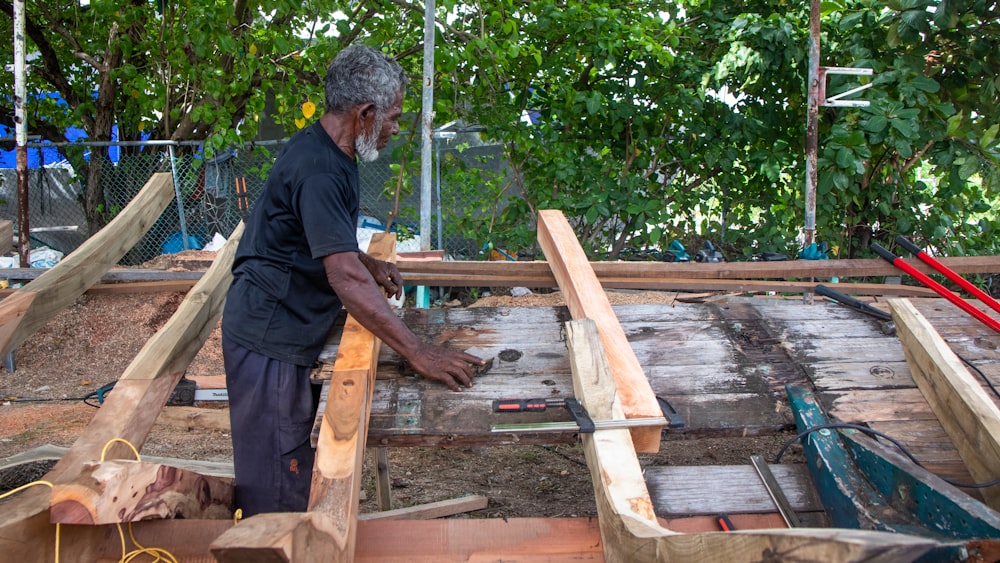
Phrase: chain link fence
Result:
[213,195]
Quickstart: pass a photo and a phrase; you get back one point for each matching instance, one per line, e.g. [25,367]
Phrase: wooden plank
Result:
[430,510]
[129,411]
[968,415]
[876,405]
[453,270]
[630,530]
[726,489]
[336,481]
[67,280]
[586,300]
[195,417]
[114,275]
[529,540]
[845,375]
[116,491]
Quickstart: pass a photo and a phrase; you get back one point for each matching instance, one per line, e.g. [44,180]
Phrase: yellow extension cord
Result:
[127,556]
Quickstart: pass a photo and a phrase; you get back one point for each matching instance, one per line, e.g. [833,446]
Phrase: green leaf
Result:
[968,168]
[876,123]
[954,124]
[989,136]
[845,158]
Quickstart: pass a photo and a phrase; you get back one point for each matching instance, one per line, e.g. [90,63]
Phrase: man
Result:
[296,265]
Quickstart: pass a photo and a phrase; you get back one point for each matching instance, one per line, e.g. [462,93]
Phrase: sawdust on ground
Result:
[92,342]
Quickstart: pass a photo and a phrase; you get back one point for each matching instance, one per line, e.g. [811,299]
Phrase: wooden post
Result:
[586,300]
[967,413]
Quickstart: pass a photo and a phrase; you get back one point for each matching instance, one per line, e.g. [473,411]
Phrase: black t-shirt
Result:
[280,303]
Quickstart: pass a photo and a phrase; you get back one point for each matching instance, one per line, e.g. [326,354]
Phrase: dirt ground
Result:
[90,343]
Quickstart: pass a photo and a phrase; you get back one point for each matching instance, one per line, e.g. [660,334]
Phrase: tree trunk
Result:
[94,203]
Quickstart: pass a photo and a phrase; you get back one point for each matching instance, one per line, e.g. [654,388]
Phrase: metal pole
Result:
[180,200]
[812,134]
[21,134]
[812,125]
[437,194]
[427,127]
[426,148]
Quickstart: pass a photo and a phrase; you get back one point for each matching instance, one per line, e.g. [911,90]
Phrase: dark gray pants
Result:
[271,410]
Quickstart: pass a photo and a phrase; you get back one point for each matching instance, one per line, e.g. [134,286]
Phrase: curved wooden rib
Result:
[128,412]
[629,529]
[34,304]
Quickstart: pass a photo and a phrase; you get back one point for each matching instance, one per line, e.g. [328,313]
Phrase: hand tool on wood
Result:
[581,419]
[938,288]
[774,489]
[948,273]
[853,303]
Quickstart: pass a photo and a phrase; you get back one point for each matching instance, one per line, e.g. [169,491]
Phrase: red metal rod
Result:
[938,288]
[948,273]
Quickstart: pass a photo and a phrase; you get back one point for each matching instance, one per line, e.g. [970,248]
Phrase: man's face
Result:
[375,134]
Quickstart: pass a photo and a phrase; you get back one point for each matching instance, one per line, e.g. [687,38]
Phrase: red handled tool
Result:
[938,288]
[948,273]
[725,524]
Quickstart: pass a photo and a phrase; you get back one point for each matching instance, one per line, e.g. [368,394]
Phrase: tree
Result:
[165,71]
[644,121]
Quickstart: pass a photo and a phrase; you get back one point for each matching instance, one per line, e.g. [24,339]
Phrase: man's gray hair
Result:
[360,74]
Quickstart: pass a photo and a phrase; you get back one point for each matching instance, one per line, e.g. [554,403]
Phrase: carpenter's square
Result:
[581,419]
[774,489]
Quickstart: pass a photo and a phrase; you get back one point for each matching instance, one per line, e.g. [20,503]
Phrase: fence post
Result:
[180,200]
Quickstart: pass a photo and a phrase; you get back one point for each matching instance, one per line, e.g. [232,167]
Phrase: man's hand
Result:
[385,274]
[450,367]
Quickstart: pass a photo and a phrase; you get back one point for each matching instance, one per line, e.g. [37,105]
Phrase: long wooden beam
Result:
[969,416]
[862,267]
[527,540]
[36,303]
[585,299]
[630,530]
[128,412]
[608,282]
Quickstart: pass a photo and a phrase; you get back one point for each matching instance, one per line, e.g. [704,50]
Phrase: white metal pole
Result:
[21,135]
[426,135]
[427,128]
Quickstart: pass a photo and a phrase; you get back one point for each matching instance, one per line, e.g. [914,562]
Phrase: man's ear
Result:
[366,110]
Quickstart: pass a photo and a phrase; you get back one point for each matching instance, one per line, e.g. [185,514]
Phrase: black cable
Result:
[562,455]
[878,434]
[87,399]
[981,374]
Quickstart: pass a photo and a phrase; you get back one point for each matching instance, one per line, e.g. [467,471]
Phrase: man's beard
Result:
[366,146]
